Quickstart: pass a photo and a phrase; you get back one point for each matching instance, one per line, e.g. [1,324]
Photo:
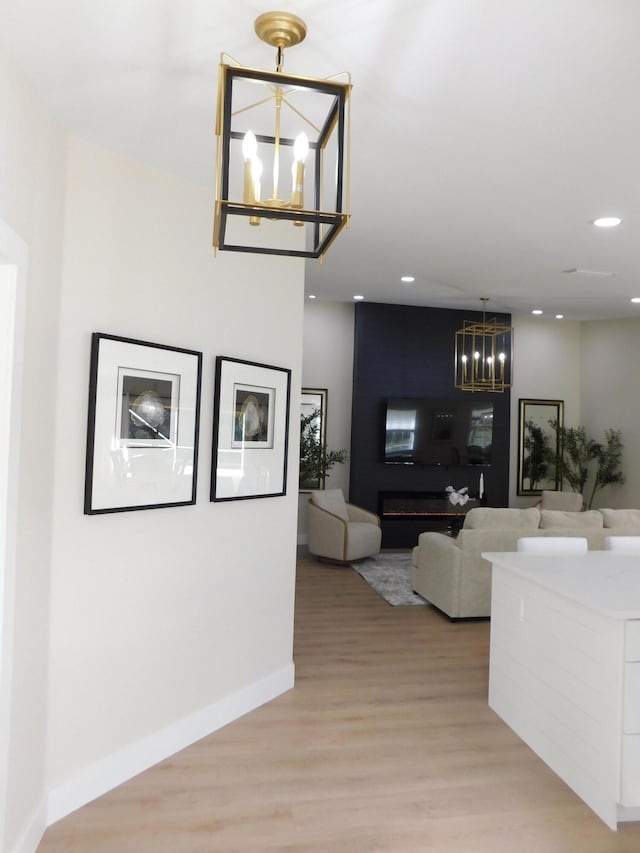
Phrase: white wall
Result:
[32,166]
[328,363]
[130,633]
[161,619]
[611,398]
[546,362]
[592,366]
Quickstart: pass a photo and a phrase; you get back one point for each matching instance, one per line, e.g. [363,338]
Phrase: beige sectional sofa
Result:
[451,573]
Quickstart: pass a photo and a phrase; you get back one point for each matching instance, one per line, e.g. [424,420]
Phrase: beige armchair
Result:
[340,531]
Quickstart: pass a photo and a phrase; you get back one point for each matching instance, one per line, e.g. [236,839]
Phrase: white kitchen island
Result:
[564,669]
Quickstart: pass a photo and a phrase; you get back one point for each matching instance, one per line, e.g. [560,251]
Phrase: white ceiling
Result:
[487,134]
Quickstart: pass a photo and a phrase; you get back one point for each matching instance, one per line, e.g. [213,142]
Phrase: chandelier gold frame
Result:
[258,114]
[484,355]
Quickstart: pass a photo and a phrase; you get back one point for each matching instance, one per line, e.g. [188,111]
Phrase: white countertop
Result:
[604,581]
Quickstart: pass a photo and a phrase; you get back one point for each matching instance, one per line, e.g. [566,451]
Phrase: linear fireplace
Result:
[406,514]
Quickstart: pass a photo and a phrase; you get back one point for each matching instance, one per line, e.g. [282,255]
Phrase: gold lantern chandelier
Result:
[277,131]
[484,355]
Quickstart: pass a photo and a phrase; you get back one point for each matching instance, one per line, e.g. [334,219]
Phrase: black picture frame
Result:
[250,430]
[142,426]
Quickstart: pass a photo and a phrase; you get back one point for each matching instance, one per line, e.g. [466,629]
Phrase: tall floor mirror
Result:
[539,445]
[313,437]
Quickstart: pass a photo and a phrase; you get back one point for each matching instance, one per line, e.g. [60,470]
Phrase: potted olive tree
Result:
[582,457]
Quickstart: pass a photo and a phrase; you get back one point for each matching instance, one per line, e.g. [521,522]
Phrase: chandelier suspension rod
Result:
[483,299]
[276,146]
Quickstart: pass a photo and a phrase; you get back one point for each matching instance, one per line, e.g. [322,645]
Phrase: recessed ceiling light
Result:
[358,297]
[537,311]
[607,221]
[407,279]
[312,296]
[559,316]
[635,299]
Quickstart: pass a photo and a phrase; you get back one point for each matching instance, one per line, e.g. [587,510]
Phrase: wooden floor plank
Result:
[385,744]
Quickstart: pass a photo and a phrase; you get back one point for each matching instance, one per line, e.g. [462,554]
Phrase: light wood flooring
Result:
[385,744]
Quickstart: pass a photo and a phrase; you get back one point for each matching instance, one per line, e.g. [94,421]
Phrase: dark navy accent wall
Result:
[404,351]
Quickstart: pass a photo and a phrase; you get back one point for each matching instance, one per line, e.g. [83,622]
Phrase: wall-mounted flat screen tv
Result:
[438,432]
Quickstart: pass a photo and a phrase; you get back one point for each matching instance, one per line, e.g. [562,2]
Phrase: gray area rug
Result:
[388,574]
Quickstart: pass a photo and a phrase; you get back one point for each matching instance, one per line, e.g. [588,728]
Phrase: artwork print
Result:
[148,414]
[253,416]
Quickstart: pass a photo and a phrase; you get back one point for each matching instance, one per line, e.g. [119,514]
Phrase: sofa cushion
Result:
[331,500]
[555,518]
[498,518]
[568,501]
[621,517]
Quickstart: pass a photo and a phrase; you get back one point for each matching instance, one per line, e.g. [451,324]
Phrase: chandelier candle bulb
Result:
[252,172]
[249,152]
[300,151]
[248,195]
[256,175]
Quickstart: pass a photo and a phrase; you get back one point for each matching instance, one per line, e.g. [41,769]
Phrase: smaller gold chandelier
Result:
[484,355]
[275,130]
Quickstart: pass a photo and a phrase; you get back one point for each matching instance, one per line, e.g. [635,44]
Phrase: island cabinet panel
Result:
[632,639]
[631,716]
[630,793]
[565,670]
[631,705]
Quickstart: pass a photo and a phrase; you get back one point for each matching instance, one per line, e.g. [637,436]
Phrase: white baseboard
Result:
[32,833]
[117,768]
[628,813]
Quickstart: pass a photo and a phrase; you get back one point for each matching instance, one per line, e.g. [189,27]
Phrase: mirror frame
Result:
[540,412]
[312,399]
